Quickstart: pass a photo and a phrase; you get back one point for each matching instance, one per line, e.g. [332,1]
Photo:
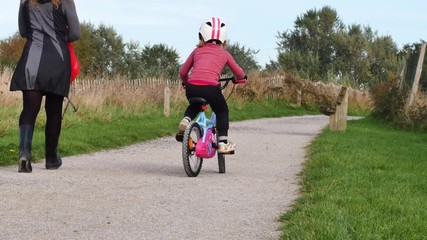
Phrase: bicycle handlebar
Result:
[227,79]
[233,79]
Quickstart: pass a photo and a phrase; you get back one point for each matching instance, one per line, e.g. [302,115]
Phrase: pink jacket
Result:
[206,64]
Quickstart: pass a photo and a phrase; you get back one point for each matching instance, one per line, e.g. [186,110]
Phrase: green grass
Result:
[369,182]
[89,130]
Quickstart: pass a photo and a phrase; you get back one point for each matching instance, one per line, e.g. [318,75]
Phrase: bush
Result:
[390,105]
[389,100]
[416,116]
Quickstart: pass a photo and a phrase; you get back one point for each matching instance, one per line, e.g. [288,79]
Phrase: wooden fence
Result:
[276,87]
[123,84]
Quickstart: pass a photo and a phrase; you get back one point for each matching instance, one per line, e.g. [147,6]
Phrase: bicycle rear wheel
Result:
[192,163]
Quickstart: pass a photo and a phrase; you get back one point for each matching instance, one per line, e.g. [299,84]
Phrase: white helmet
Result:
[213,29]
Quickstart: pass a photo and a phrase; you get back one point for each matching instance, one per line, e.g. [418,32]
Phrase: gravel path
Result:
[142,191]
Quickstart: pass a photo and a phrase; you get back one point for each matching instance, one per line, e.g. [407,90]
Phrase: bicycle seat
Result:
[197,100]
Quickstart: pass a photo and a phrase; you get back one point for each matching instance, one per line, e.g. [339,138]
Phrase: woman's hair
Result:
[55,2]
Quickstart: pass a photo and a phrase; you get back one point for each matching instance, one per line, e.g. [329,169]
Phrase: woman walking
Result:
[44,70]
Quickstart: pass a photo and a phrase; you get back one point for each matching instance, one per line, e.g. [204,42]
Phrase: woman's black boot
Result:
[25,141]
[53,160]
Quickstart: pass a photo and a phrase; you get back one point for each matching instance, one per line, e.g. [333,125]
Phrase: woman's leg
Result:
[53,130]
[31,107]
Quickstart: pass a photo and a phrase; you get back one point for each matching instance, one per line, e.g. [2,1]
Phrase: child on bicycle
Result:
[206,63]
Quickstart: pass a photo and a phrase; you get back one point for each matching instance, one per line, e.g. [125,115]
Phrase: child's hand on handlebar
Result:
[242,81]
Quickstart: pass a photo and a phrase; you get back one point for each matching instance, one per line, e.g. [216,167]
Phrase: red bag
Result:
[75,65]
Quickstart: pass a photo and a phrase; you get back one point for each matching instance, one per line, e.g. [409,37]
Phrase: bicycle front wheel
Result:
[221,158]
[221,162]
[192,163]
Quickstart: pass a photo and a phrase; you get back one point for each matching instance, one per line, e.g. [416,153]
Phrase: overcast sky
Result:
[253,24]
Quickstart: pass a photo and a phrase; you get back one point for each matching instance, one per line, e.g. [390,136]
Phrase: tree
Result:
[322,48]
[10,50]
[245,57]
[160,60]
[384,60]
[272,66]
[133,59]
[351,52]
[308,49]
[102,53]
[110,51]
[86,50]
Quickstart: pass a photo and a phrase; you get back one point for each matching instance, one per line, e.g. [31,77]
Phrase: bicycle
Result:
[199,140]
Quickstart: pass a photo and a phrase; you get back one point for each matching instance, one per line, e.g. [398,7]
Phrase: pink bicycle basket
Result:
[204,149]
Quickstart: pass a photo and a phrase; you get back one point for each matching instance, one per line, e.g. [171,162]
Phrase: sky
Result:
[253,24]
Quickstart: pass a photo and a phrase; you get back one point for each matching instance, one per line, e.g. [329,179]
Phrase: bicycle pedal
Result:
[228,153]
[179,137]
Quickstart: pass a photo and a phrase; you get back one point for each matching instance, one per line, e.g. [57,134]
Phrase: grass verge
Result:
[367,183]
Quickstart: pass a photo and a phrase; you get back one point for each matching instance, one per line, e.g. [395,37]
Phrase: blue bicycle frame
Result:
[205,123]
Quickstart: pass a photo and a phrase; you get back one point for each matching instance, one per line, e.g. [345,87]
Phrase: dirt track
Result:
[142,191]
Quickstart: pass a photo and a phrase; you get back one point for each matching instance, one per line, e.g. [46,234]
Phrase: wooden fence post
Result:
[414,90]
[338,119]
[403,72]
[299,97]
[166,102]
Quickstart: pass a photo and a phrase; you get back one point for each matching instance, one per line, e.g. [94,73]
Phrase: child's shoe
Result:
[226,148]
[181,129]
[183,125]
